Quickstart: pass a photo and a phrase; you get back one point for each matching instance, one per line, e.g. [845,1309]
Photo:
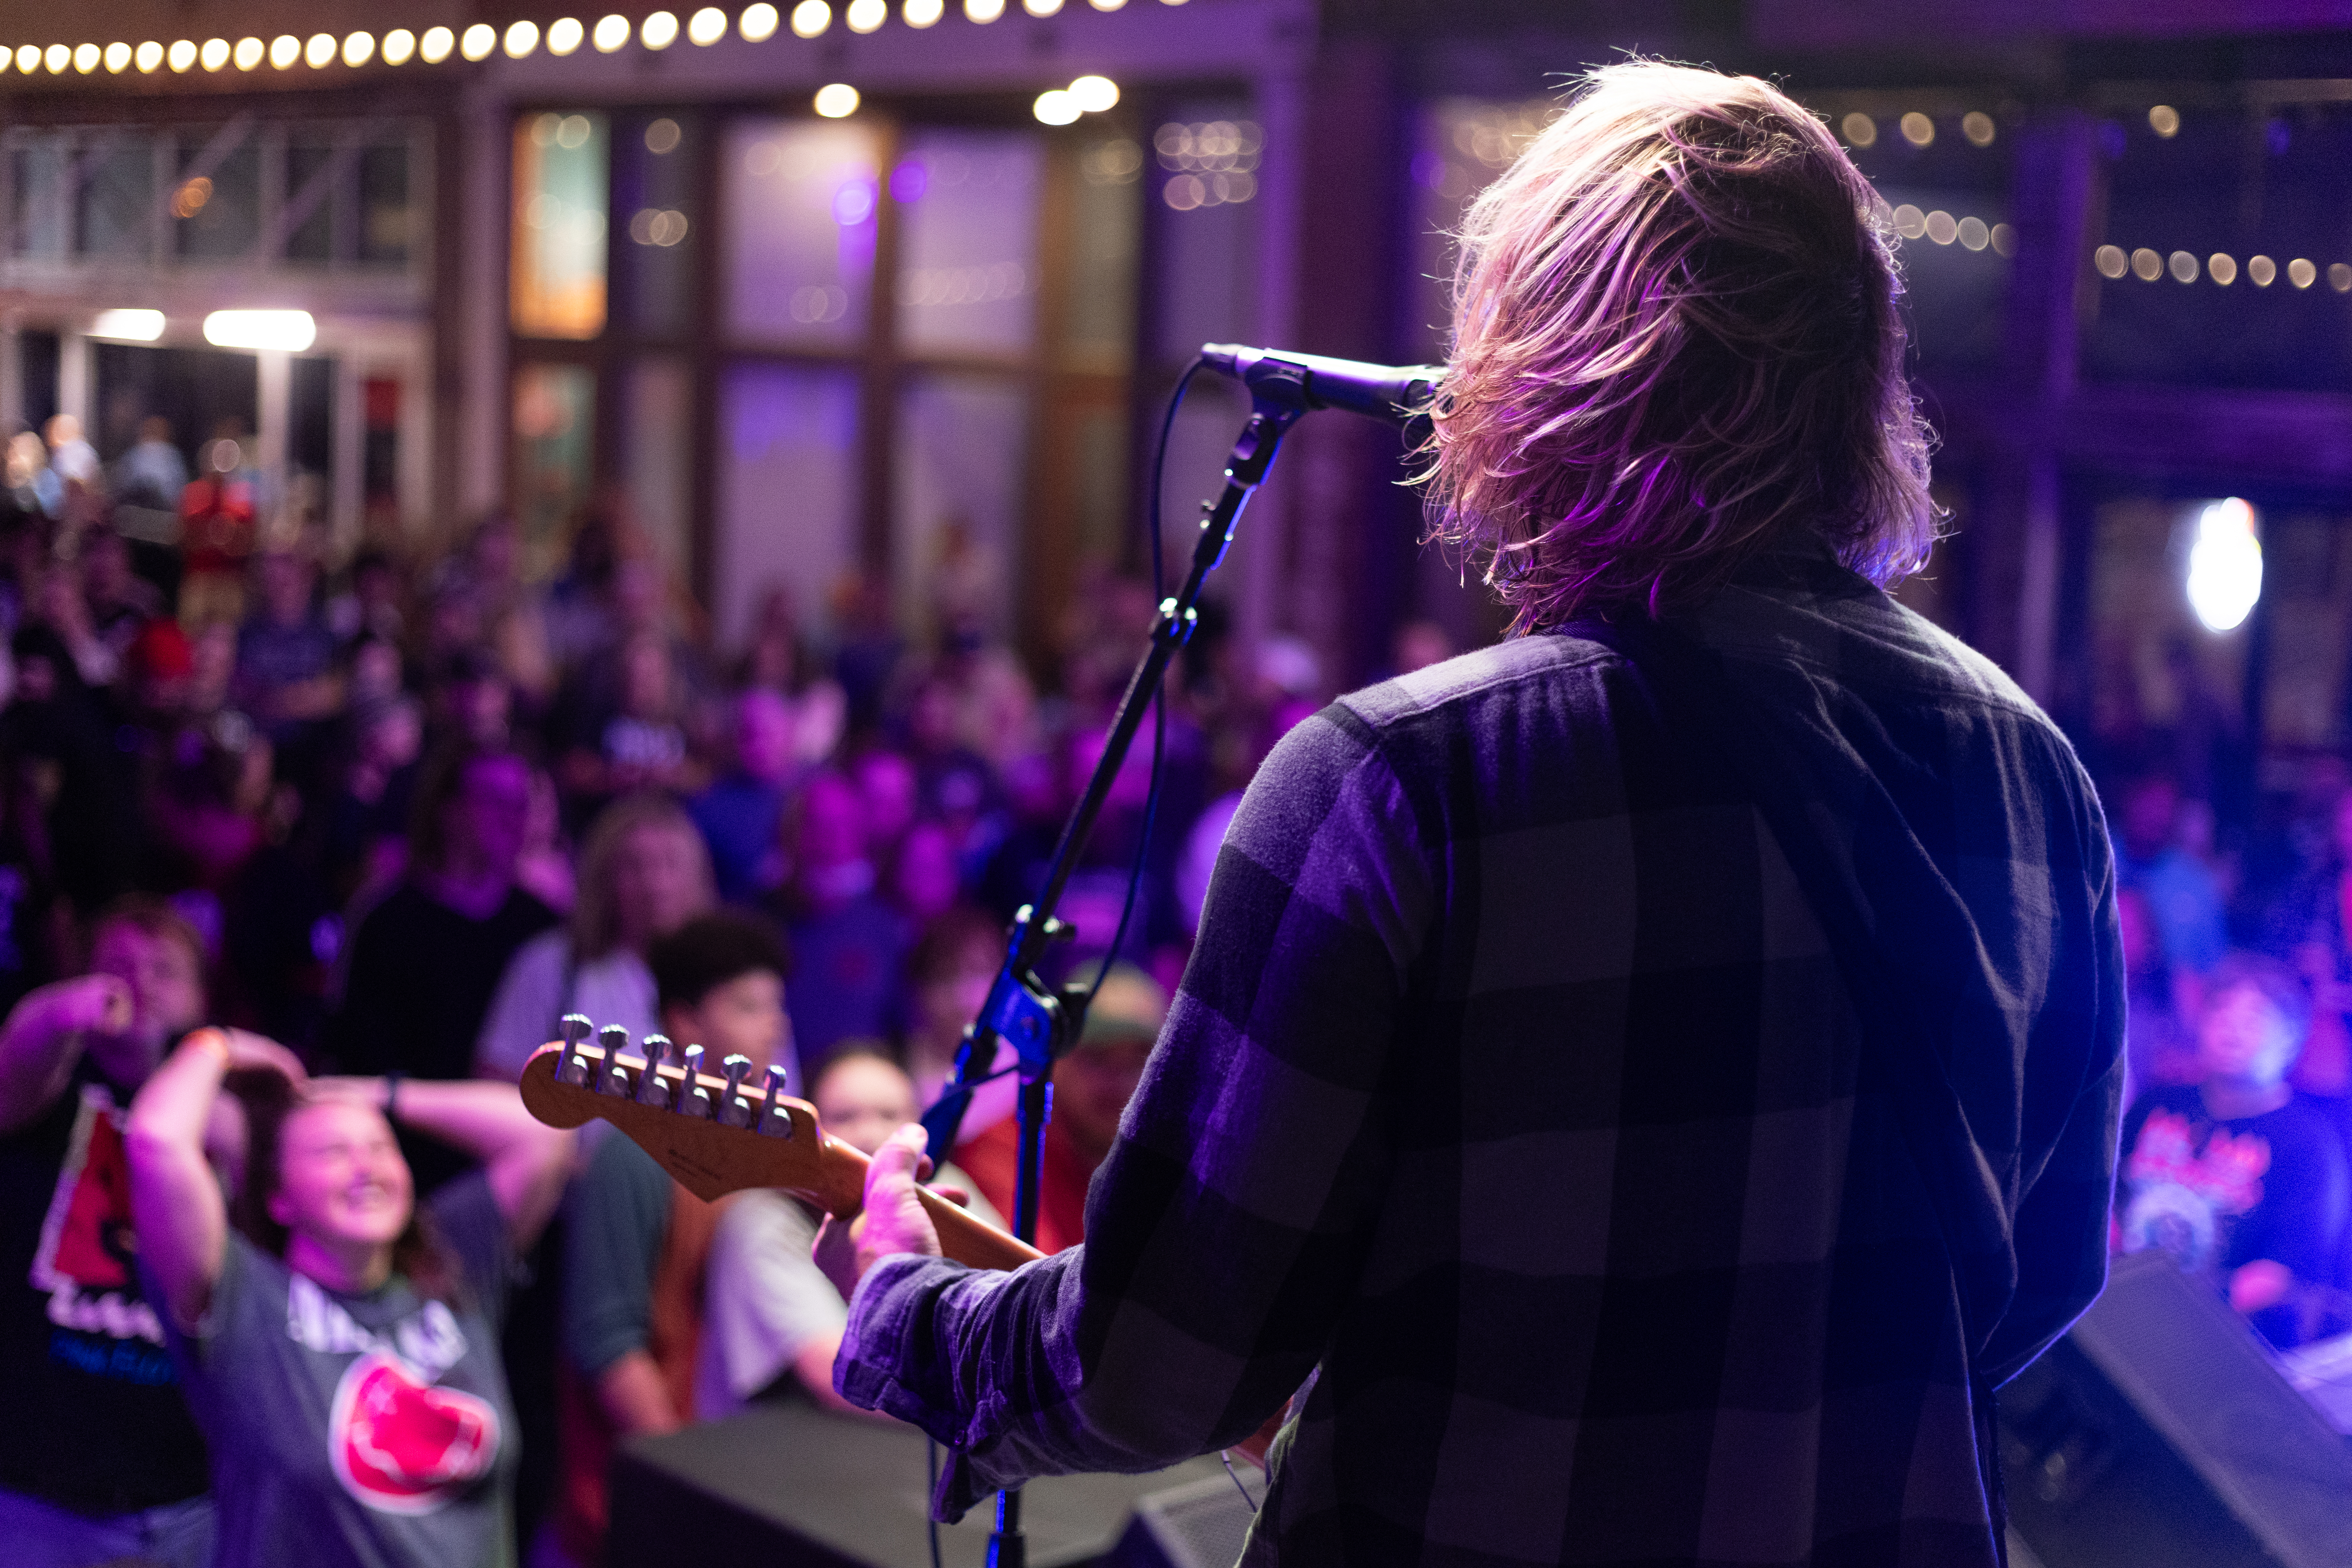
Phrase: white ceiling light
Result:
[1095,94]
[288,331]
[129,326]
[2225,565]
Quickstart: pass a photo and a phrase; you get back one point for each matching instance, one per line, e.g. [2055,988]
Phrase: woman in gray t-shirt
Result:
[340,1347]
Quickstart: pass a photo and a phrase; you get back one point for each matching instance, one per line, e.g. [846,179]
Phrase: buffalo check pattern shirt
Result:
[1513,1104]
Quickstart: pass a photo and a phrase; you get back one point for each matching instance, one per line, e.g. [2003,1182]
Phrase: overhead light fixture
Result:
[251,53]
[2225,565]
[320,52]
[758,23]
[611,33]
[522,37]
[923,13]
[565,35]
[477,42]
[705,26]
[129,326]
[1094,94]
[836,100]
[1054,106]
[286,332]
[149,56]
[358,50]
[284,51]
[399,47]
[659,31]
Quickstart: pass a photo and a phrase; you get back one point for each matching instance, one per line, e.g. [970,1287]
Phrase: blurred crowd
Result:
[401,815]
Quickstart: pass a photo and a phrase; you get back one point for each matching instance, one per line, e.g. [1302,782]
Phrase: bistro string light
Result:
[563,36]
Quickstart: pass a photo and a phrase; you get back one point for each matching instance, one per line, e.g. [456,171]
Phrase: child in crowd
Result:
[634,1267]
[99,1460]
[339,1346]
[769,1314]
[2236,1175]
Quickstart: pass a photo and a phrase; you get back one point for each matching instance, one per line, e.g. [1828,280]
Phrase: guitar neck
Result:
[746,1138]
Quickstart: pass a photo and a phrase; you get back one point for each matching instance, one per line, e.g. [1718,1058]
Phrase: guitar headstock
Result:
[714,1135]
[721,1135]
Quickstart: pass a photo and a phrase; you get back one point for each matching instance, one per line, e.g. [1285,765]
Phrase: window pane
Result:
[660,410]
[788,488]
[558,226]
[387,222]
[312,238]
[1205,158]
[652,171]
[967,245]
[37,175]
[554,416]
[955,541]
[219,213]
[800,230]
[1103,246]
[117,198]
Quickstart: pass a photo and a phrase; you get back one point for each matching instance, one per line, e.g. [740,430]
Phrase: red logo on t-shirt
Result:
[402,1445]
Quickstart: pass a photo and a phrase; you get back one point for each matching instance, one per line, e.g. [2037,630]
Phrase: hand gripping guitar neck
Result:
[721,1135]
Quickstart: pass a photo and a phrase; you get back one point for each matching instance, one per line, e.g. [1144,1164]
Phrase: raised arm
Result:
[176,1206]
[42,1039]
[528,1163]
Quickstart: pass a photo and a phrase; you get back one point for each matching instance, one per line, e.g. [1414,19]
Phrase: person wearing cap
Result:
[1091,1087]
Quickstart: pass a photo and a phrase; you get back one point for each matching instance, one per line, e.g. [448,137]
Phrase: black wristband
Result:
[391,1106]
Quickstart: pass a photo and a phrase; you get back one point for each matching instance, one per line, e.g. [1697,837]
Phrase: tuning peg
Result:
[651,1088]
[734,1110]
[572,1065]
[774,1121]
[610,1077]
[692,1098]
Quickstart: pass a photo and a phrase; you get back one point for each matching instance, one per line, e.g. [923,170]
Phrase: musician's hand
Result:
[893,1222]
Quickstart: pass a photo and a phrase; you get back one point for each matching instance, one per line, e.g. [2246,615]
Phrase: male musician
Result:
[1656,1075]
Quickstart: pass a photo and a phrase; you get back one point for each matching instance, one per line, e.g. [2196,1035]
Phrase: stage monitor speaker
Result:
[1201,1525]
[790,1486]
[2160,1432]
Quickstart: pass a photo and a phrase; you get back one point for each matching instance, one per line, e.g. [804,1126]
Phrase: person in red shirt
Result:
[217,516]
[1091,1087]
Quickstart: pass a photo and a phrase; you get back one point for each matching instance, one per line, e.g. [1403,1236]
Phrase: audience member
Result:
[152,473]
[425,963]
[2241,1179]
[769,1315]
[949,971]
[643,873]
[339,1344]
[99,1460]
[2307,925]
[2183,894]
[850,944]
[741,812]
[634,1266]
[1091,1087]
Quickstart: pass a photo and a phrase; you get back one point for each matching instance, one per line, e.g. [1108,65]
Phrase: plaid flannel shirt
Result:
[1514,1092]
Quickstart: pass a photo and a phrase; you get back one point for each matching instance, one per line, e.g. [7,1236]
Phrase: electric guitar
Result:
[721,1135]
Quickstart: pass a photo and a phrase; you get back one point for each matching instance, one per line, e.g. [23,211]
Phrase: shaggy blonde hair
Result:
[1675,342]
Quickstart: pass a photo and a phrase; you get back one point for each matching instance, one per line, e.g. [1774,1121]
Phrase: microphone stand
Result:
[1044,1023]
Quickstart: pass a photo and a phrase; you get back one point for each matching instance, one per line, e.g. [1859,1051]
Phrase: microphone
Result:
[1395,394]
